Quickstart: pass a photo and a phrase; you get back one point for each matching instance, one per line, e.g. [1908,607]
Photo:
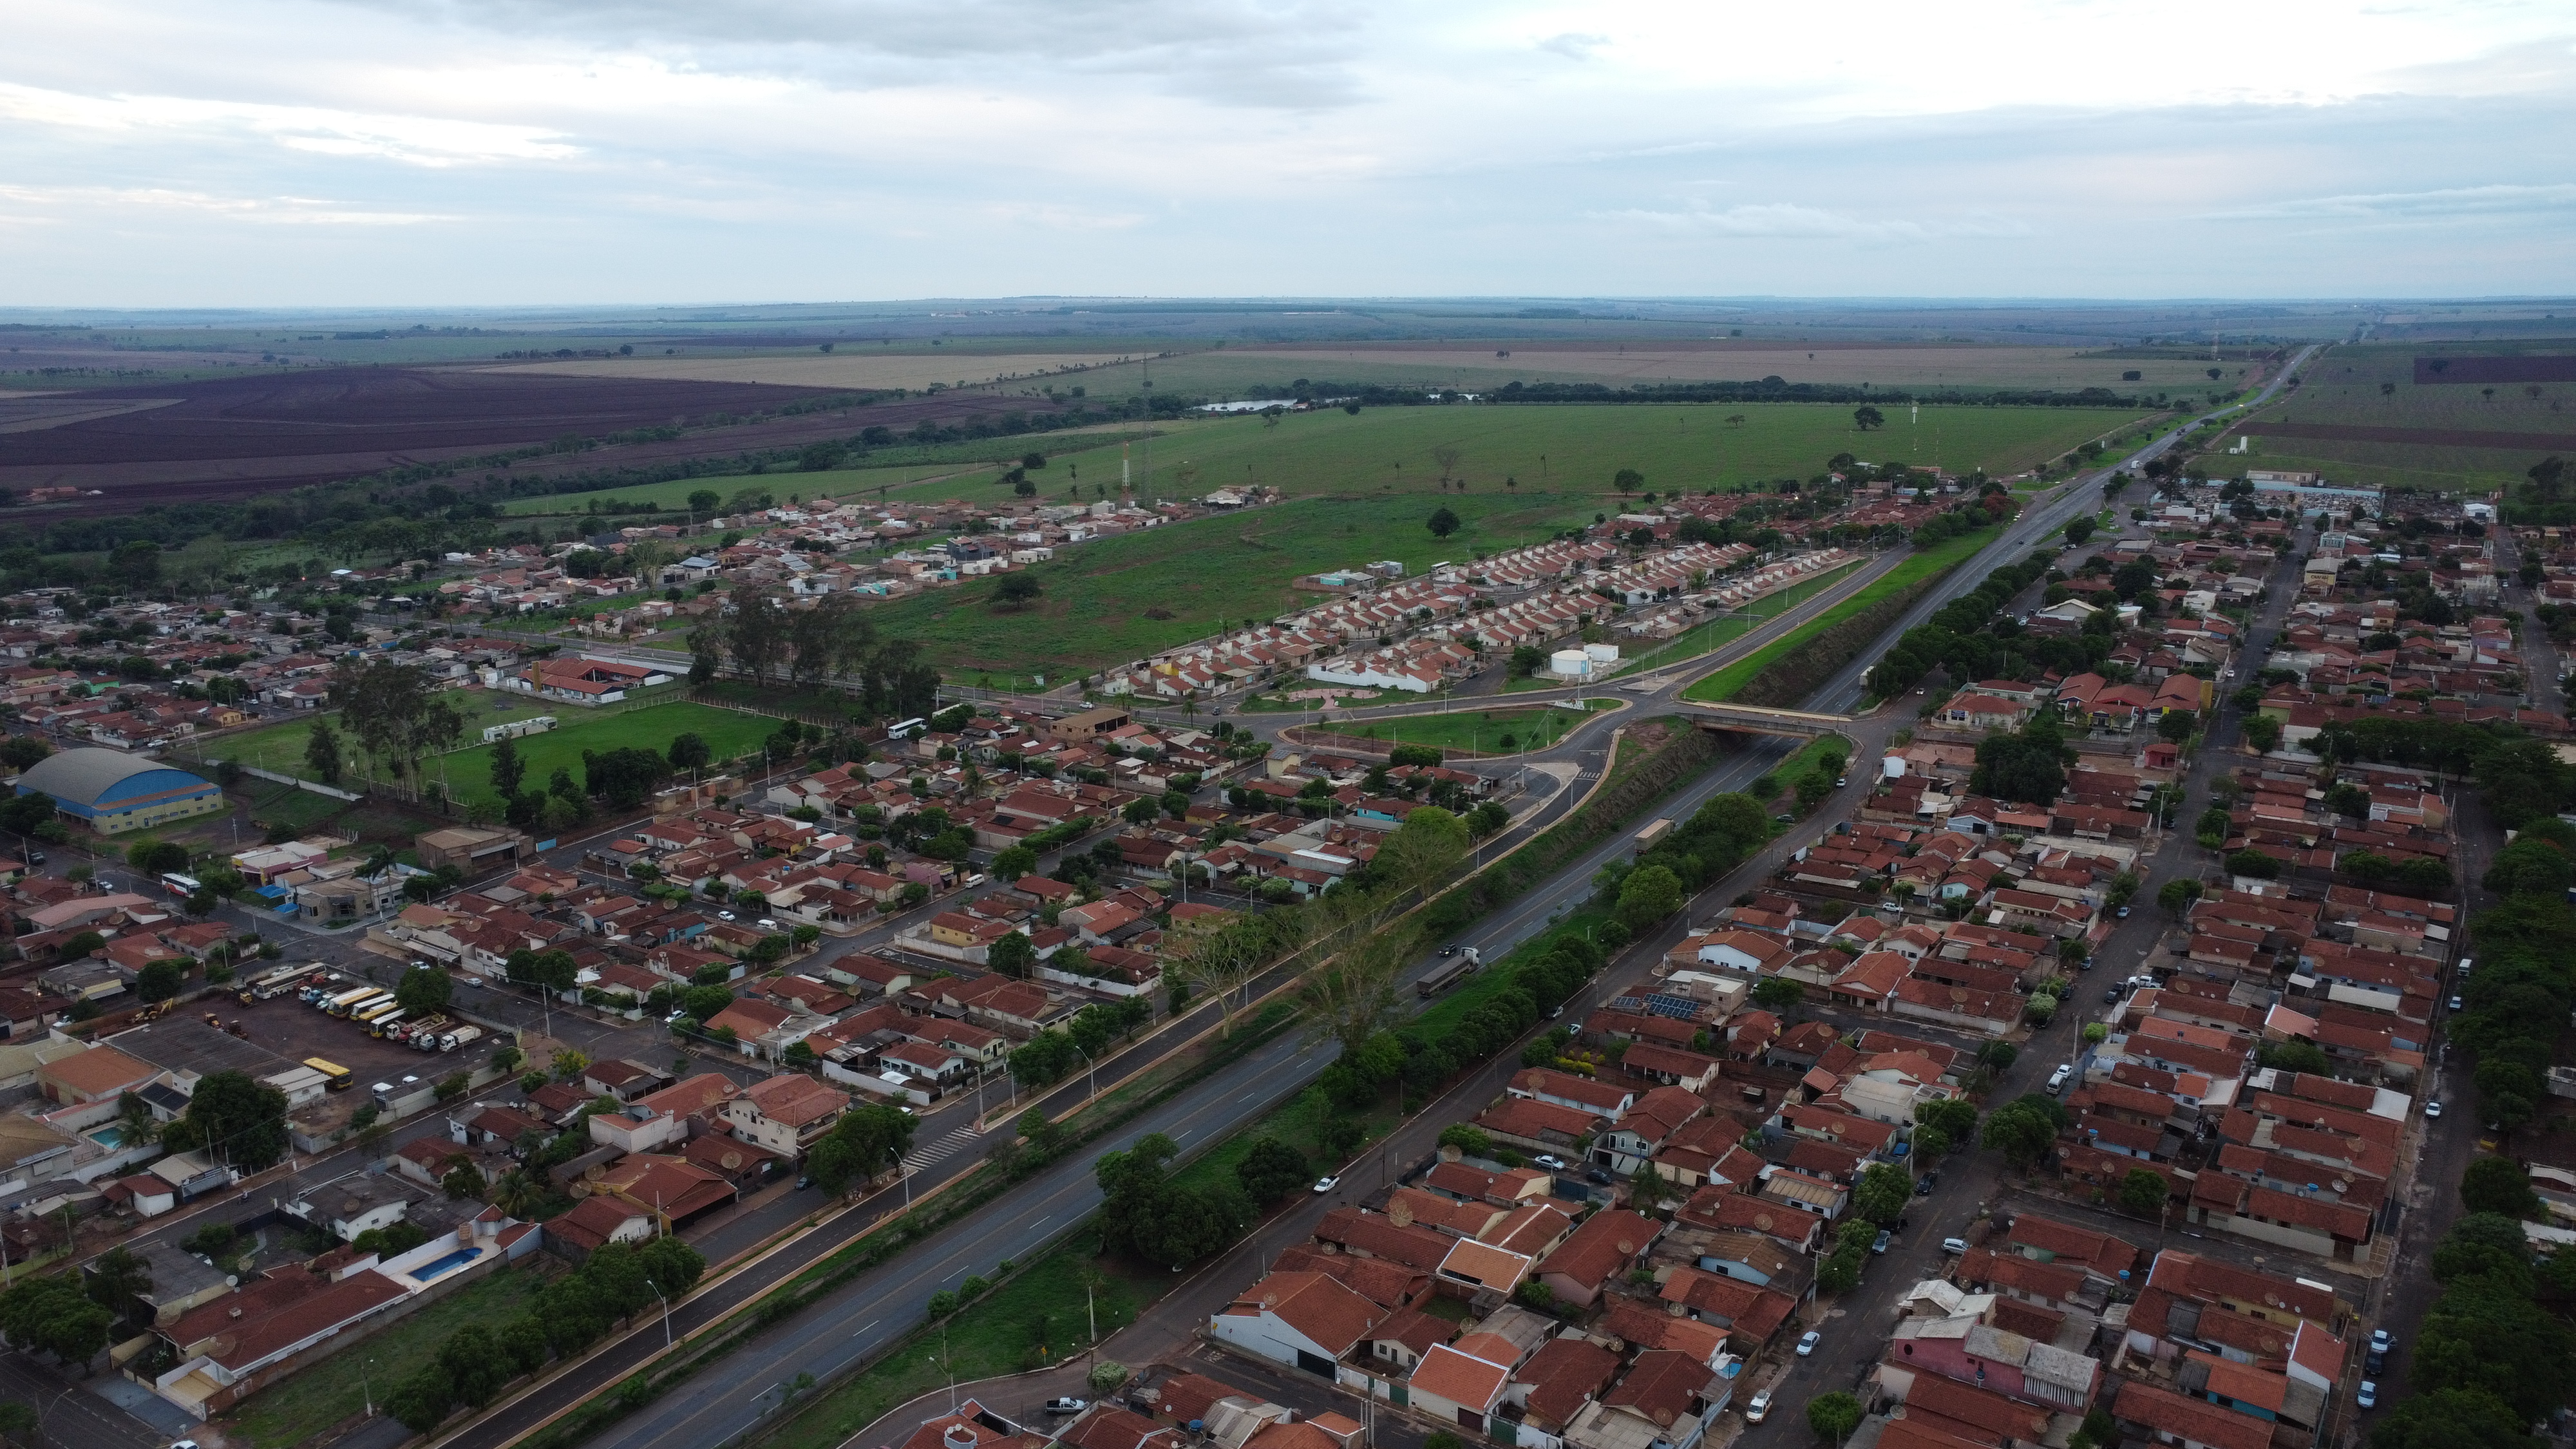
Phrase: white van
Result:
[1954,1245]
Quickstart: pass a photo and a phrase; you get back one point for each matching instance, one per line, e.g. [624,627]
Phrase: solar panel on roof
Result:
[1675,1006]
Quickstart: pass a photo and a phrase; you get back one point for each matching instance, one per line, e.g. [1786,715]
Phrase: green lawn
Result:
[337,1388]
[1036,1319]
[469,771]
[1477,729]
[280,746]
[1924,564]
[1233,568]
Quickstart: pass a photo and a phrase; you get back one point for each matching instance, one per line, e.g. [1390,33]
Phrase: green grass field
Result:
[280,746]
[301,1408]
[469,771]
[1478,729]
[1233,568]
[1566,449]
[1937,559]
[1037,1318]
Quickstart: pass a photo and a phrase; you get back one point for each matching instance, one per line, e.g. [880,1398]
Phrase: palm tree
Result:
[516,1193]
[1189,707]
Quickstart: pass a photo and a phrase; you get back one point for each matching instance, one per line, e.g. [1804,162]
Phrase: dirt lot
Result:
[238,436]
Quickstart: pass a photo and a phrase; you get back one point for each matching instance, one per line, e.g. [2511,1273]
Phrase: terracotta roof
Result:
[2183,1417]
[1606,1243]
[1564,1375]
[1660,1386]
[590,1222]
[1470,1382]
[1326,1313]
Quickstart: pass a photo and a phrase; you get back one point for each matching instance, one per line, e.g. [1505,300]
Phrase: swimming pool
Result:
[110,1138]
[449,1264]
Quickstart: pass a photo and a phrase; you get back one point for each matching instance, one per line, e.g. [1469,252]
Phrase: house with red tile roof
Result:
[1303,1320]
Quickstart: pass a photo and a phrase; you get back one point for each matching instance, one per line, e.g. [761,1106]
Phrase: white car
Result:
[1066,1406]
[1327,1184]
[1807,1345]
[1550,1161]
[1759,1409]
[724,915]
[2432,1110]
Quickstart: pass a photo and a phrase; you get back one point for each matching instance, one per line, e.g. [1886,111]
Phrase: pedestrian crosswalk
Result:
[923,1158]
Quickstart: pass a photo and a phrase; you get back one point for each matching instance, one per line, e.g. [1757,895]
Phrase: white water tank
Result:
[1891,767]
[1570,664]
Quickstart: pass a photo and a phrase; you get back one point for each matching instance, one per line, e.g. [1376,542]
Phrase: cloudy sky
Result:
[426,152]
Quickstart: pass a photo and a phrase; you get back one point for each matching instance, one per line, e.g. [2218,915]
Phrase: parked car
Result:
[1327,1184]
[2369,1396]
[2111,996]
[2455,1001]
[1597,1176]
[2381,1340]
[1550,1161]
[1924,1188]
[2375,1361]
[1066,1406]
[2122,913]
[1879,1245]
[1807,1344]
[2057,1079]
[724,915]
[2433,1109]
[1759,1408]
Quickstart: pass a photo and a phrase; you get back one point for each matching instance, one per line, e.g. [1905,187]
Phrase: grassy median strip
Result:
[1917,570]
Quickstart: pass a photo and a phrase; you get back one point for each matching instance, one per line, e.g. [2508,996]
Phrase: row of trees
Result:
[568,1315]
[1960,637]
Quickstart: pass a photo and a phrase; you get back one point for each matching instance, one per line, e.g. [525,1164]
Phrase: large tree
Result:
[233,1119]
[322,752]
[395,714]
[507,768]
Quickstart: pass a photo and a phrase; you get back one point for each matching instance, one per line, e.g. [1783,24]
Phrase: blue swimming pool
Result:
[448,1264]
[110,1138]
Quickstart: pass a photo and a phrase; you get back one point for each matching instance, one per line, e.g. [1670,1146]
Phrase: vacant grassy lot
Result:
[1701,638]
[727,732]
[1101,597]
[1569,449]
[1492,731]
[1942,556]
[1037,1318]
[337,1388]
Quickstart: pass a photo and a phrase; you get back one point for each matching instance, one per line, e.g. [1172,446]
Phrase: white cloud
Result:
[2447,204]
[264,210]
[1791,220]
[623,149]
[417,140]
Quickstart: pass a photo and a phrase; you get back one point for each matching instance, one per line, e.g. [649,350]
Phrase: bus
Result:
[181,885]
[375,1011]
[337,1003]
[904,729]
[335,1077]
[353,1005]
[387,1024]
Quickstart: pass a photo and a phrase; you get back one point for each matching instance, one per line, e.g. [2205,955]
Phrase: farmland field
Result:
[849,367]
[2363,415]
[1569,448]
[1252,371]
[468,772]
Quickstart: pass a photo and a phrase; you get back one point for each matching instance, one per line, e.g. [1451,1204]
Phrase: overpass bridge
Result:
[1755,720]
